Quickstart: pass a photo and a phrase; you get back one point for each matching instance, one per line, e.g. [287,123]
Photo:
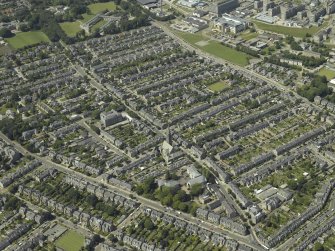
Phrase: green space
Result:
[98,25]
[99,7]
[71,28]
[274,222]
[128,135]
[216,48]
[226,53]
[327,245]
[303,187]
[70,241]
[330,242]
[329,74]
[295,32]
[191,38]
[172,197]
[4,49]
[318,87]
[23,39]
[3,109]
[249,35]
[217,87]
[86,17]
[170,237]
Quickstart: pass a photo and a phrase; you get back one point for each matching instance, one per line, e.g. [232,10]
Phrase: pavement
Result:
[248,240]
[149,203]
[255,75]
[84,124]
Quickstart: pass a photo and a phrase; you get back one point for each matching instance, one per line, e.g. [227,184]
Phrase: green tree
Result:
[181,196]
[95,129]
[183,207]
[12,203]
[149,185]
[139,189]
[92,200]
[318,247]
[168,175]
[5,33]
[168,200]
[197,189]
[148,224]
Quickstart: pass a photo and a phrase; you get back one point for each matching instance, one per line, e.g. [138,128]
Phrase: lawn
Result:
[296,32]
[226,53]
[23,39]
[216,48]
[249,35]
[217,87]
[98,25]
[71,28]
[70,241]
[191,38]
[86,17]
[99,7]
[329,74]
[4,49]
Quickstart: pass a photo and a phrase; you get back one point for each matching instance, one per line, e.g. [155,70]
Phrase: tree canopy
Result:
[5,33]
[318,87]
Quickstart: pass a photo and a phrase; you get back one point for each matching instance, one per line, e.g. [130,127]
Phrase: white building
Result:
[228,23]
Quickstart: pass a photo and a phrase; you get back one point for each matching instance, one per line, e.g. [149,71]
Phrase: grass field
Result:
[86,17]
[217,87]
[249,35]
[295,32]
[191,38]
[70,241]
[216,48]
[4,49]
[71,28]
[23,39]
[98,25]
[329,74]
[226,53]
[98,7]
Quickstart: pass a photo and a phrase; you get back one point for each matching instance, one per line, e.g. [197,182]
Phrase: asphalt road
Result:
[156,205]
[253,74]
[150,203]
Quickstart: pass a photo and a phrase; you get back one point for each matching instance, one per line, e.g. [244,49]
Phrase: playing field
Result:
[216,48]
[329,74]
[295,32]
[98,7]
[70,241]
[23,39]
[191,38]
[71,28]
[217,87]
[226,53]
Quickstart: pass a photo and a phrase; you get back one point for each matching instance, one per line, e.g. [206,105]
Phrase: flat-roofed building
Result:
[149,4]
[224,6]
[228,23]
